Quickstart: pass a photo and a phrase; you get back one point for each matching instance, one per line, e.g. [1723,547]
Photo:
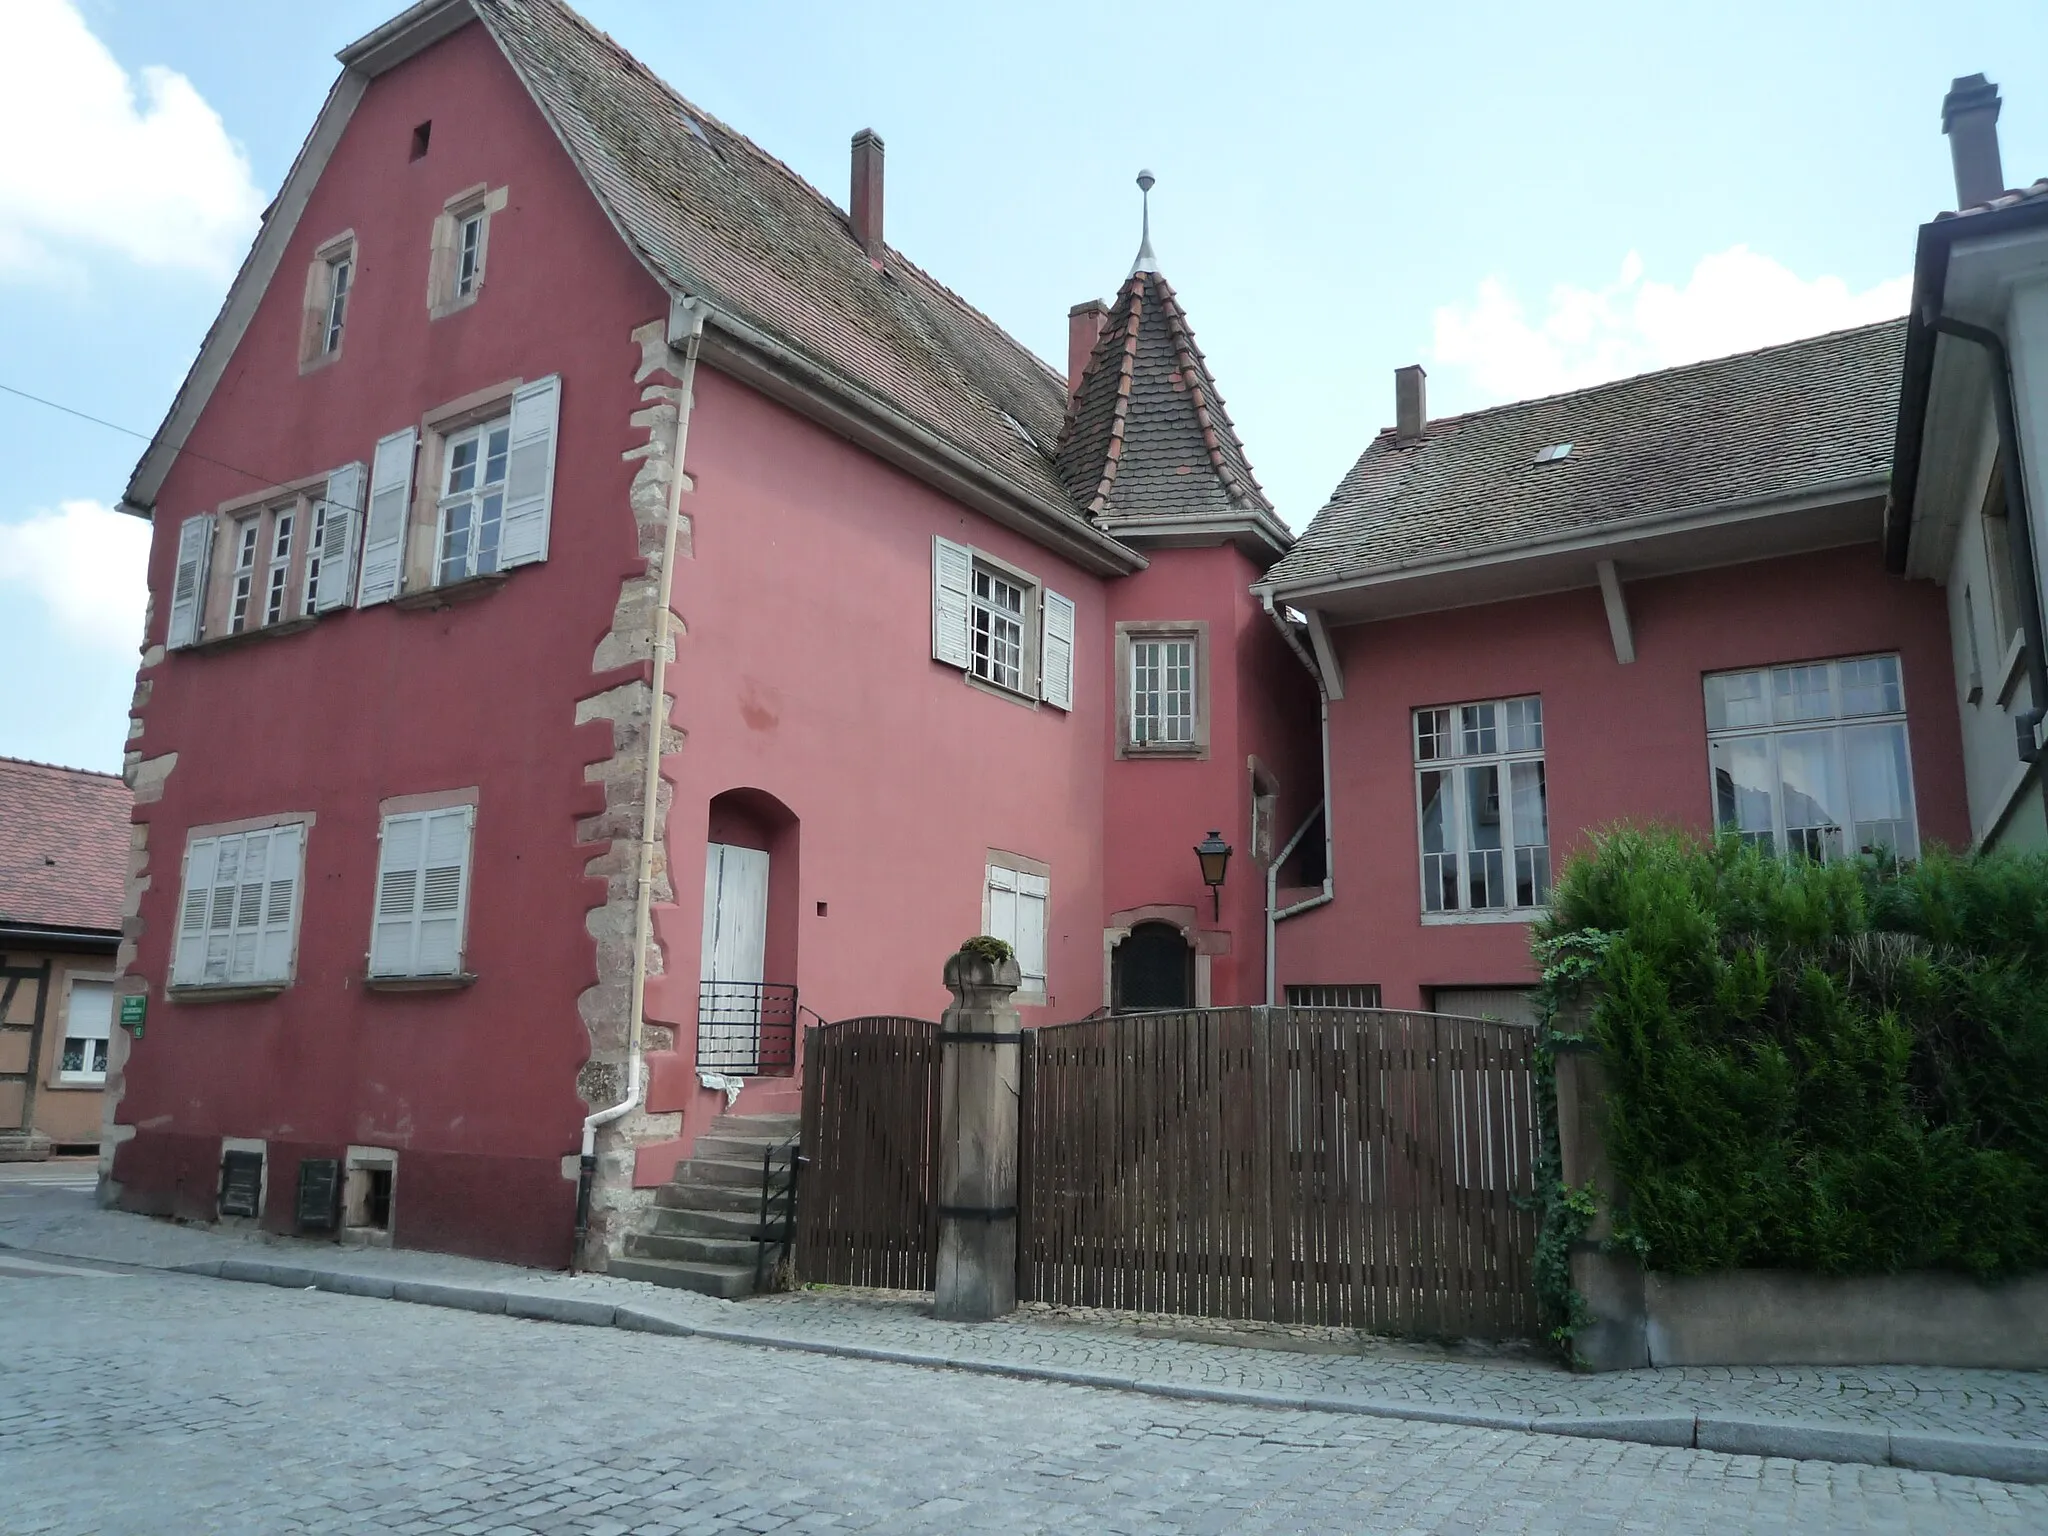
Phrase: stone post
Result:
[978,1085]
[1618,1337]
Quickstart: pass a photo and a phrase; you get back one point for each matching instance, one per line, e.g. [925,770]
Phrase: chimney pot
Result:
[1969,116]
[1084,330]
[1411,403]
[864,205]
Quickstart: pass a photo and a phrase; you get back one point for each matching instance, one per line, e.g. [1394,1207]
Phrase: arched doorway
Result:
[747,963]
[1153,967]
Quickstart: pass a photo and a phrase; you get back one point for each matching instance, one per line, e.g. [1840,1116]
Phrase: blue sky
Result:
[1522,198]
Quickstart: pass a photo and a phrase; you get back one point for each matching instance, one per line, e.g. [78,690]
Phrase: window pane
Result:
[1476,723]
[1881,790]
[1813,798]
[1736,700]
[1432,734]
[462,466]
[1485,869]
[1871,686]
[494,464]
[1144,690]
[1531,815]
[1439,862]
[1743,789]
[1803,693]
[1524,724]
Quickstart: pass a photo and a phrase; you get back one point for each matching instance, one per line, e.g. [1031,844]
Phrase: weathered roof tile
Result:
[63,846]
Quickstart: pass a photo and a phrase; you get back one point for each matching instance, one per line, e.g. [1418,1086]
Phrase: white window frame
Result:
[1456,740]
[277,585]
[469,252]
[226,938]
[1016,892]
[1777,718]
[473,500]
[988,620]
[341,271]
[309,589]
[1333,994]
[1163,691]
[246,534]
[407,898]
[88,1075]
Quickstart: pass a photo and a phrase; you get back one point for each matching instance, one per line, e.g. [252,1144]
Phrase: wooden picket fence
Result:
[866,1207]
[1355,1167]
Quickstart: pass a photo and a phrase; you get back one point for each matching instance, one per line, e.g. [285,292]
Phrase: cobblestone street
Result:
[141,1402]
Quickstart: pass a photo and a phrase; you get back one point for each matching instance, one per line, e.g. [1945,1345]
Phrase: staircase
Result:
[699,1233]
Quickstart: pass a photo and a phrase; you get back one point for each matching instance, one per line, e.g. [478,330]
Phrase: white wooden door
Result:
[735,948]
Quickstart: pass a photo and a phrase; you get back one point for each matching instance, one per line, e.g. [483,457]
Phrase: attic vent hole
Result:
[420,135]
[1554,452]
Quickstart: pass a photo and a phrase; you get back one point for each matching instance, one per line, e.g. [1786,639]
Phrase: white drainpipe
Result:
[1274,913]
[686,323]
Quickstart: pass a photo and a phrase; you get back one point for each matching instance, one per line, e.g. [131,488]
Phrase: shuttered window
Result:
[1001,627]
[1016,905]
[331,549]
[238,915]
[384,528]
[188,585]
[422,897]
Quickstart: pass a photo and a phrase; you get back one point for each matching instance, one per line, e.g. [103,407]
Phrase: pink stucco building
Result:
[564,397]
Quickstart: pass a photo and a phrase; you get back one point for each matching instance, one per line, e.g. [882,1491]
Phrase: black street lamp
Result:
[1215,856]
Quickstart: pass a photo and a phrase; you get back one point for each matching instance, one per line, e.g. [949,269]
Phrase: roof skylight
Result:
[1554,452]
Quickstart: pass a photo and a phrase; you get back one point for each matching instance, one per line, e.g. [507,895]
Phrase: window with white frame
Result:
[1355,994]
[1014,906]
[999,626]
[472,501]
[422,901]
[330,286]
[267,570]
[281,523]
[1163,691]
[1813,759]
[238,914]
[469,253]
[88,1022]
[461,248]
[1483,807]
[247,533]
[340,272]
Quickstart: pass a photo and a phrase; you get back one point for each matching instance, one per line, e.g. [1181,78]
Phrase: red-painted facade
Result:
[1621,743]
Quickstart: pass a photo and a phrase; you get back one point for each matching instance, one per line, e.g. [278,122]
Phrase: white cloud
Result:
[88,564]
[96,159]
[1735,300]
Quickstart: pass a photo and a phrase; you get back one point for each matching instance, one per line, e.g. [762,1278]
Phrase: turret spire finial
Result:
[1146,261]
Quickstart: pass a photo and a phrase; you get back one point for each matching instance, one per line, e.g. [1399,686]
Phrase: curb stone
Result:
[2010,1461]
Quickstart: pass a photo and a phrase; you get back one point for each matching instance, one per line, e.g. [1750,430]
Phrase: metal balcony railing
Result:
[746,1028]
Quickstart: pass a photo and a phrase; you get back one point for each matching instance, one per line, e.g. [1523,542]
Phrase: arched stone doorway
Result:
[1152,967]
[747,963]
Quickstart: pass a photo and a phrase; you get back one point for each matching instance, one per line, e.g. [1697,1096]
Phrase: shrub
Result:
[1840,1068]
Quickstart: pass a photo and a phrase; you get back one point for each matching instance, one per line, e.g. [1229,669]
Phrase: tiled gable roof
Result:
[1779,422]
[63,846]
[1147,434]
[714,214]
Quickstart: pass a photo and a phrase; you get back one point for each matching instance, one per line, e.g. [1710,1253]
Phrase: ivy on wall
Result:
[1838,1068]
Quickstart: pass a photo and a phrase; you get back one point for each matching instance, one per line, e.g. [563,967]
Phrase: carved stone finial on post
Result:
[978,1039]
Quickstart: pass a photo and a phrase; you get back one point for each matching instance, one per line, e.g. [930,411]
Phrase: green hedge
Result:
[1840,1068]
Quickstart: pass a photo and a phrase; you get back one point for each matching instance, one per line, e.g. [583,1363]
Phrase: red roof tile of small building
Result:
[63,846]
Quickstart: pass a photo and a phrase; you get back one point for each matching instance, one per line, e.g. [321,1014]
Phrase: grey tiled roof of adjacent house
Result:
[1147,434]
[708,208]
[1779,422]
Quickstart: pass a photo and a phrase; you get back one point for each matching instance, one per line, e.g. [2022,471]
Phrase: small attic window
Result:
[420,136]
[695,127]
[1019,428]
[1554,452]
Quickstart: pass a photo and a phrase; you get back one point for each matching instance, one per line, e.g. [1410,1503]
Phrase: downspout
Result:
[686,318]
[2019,527]
[1274,915]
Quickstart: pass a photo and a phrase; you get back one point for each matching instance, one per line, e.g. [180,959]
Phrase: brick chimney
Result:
[1969,116]
[864,205]
[1411,403]
[1084,329]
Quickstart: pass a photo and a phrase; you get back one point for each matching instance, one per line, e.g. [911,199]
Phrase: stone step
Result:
[691,1250]
[775,1126]
[691,1196]
[669,1221]
[719,1170]
[734,1149]
[731,1281]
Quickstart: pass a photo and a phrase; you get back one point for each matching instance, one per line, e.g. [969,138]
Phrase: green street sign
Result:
[133,1007]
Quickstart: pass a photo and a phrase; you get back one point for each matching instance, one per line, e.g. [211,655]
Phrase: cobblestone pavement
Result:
[147,1403]
[2010,1405]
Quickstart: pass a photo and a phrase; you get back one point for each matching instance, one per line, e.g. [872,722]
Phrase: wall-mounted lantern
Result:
[1215,856]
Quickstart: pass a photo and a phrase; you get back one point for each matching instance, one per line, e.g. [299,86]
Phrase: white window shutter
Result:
[188,585]
[1002,904]
[337,551]
[952,579]
[1032,892]
[384,527]
[220,910]
[279,918]
[188,959]
[444,891]
[530,472]
[250,881]
[1056,653]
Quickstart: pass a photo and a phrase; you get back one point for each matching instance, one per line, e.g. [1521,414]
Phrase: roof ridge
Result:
[1654,373]
[35,762]
[1113,453]
[1192,361]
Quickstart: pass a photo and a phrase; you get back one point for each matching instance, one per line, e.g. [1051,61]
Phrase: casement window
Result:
[1014,907]
[88,1023]
[246,533]
[1162,705]
[469,253]
[1000,627]
[490,476]
[461,249]
[422,900]
[339,271]
[330,286]
[238,913]
[280,576]
[279,563]
[1483,808]
[1358,994]
[1813,759]
[331,546]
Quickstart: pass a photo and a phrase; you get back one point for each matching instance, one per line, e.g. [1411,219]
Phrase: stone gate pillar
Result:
[978,1084]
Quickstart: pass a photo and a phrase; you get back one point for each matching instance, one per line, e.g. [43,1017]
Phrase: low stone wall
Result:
[1774,1317]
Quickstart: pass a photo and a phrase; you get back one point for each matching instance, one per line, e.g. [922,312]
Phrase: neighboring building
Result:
[1972,437]
[63,866]
[962,645]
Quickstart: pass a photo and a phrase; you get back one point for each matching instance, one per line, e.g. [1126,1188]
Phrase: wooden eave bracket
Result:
[1617,613]
[1326,654]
